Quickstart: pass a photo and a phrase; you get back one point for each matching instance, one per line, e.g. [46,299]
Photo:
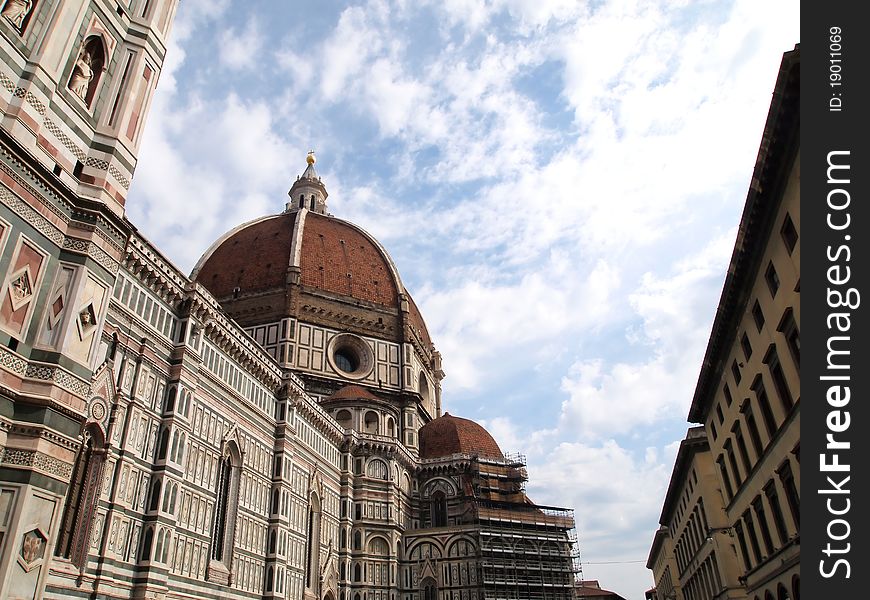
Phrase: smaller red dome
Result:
[448,435]
[353,392]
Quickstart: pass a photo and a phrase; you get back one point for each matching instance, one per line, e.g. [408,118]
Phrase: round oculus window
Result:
[350,356]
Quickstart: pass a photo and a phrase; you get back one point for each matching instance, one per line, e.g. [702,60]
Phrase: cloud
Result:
[617,397]
[240,50]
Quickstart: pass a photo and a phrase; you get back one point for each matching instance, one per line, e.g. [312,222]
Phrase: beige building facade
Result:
[748,393]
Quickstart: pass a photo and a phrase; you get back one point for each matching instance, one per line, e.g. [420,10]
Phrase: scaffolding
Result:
[528,552]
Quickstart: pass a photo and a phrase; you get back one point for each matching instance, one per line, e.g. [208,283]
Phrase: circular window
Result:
[350,356]
[346,361]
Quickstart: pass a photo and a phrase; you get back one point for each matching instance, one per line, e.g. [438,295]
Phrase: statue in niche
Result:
[16,11]
[82,75]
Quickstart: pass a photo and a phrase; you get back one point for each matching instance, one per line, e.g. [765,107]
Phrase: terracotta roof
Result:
[448,435]
[352,392]
[254,258]
[339,258]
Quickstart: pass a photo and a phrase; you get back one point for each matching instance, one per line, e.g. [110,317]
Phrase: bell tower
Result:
[77,78]
[76,82]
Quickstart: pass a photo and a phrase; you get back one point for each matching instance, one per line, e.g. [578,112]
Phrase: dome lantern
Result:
[308,191]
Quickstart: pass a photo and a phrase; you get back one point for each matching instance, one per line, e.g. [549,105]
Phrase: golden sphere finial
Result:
[310,158]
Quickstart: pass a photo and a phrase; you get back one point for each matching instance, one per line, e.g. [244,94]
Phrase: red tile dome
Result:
[448,435]
[353,392]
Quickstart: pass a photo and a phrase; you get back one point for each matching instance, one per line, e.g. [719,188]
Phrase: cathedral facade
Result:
[267,426]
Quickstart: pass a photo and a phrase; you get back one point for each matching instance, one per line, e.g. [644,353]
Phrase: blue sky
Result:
[558,182]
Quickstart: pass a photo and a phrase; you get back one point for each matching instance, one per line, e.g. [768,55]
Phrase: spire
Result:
[308,191]
[310,173]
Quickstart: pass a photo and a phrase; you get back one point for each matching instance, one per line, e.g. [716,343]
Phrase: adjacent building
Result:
[744,517]
[268,426]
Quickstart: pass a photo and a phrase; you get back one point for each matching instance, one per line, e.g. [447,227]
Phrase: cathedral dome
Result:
[337,271]
[329,255]
[448,435]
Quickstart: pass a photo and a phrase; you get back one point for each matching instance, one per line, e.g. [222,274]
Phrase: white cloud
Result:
[612,398]
[240,50]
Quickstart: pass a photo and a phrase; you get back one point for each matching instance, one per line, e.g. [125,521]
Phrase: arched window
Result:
[155,496]
[357,540]
[371,422]
[342,539]
[312,563]
[167,496]
[164,443]
[147,540]
[312,201]
[88,70]
[344,418]
[379,547]
[439,509]
[229,470]
[169,405]
[357,573]
[81,501]
[273,541]
[430,589]
[377,469]
[270,574]
[391,427]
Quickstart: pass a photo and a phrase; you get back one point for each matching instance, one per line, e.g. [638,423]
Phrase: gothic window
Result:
[164,443]
[312,563]
[430,589]
[377,469]
[391,427]
[371,422]
[229,469]
[439,509]
[379,547]
[81,501]
[155,496]
[88,70]
[357,540]
[345,419]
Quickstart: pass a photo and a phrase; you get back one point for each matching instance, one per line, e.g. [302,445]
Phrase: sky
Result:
[559,183]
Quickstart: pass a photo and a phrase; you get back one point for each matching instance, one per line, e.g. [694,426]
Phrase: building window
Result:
[81,502]
[223,530]
[788,327]
[737,430]
[764,404]
[753,537]
[776,511]
[726,481]
[789,234]
[312,562]
[735,370]
[741,540]
[791,493]
[728,397]
[758,507]
[732,460]
[747,347]
[758,316]
[746,409]
[719,414]
[771,359]
[772,279]
[439,509]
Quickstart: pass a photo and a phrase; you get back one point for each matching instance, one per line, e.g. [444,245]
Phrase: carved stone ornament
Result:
[32,548]
[20,288]
[16,12]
